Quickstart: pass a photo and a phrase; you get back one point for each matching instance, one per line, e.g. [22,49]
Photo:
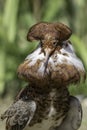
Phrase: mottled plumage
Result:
[44,111]
[74,116]
[46,103]
[62,68]
[19,114]
[43,30]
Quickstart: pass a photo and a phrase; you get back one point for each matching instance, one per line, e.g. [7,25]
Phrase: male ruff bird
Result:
[54,61]
[46,103]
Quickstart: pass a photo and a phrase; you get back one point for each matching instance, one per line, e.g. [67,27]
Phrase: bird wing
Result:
[77,119]
[73,118]
[19,114]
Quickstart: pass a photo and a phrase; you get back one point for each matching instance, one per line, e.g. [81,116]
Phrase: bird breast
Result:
[63,67]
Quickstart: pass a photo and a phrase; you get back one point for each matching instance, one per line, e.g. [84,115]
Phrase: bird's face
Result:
[48,33]
[49,45]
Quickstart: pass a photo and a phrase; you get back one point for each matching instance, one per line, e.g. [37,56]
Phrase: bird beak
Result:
[48,53]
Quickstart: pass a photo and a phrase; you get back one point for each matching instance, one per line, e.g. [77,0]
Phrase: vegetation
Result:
[16,16]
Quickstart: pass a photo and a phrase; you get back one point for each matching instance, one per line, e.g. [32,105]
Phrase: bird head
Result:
[50,35]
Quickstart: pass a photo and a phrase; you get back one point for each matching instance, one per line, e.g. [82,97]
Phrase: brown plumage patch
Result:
[44,99]
[44,30]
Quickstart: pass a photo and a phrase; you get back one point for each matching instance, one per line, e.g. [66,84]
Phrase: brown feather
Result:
[57,30]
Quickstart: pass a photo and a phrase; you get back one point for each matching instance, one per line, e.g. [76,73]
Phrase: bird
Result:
[54,61]
[46,102]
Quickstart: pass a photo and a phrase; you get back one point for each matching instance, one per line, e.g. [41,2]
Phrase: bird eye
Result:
[55,43]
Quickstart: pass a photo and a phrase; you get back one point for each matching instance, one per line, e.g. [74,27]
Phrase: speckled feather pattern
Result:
[43,30]
[63,67]
[49,107]
[19,114]
[49,69]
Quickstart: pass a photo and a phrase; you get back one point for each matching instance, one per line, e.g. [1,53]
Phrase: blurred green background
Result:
[16,16]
